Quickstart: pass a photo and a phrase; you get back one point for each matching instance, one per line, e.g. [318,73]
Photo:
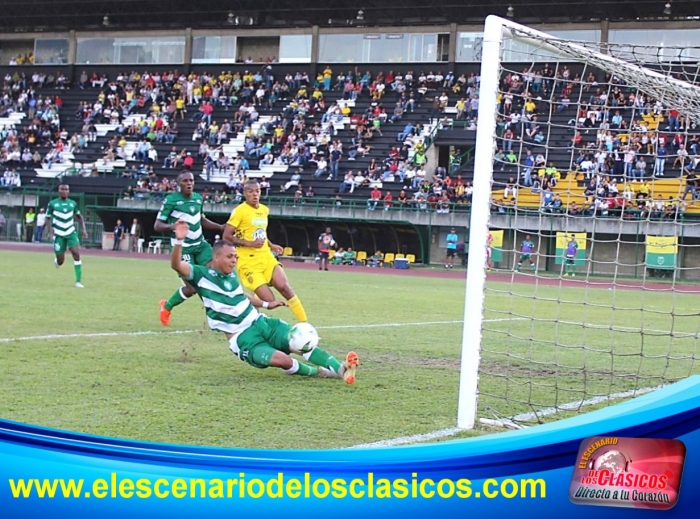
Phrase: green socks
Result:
[175,299]
[299,368]
[78,266]
[322,358]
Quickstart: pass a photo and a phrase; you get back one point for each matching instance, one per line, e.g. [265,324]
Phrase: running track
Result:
[628,284]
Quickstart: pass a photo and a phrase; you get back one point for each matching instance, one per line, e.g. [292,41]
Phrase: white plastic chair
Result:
[140,243]
[155,245]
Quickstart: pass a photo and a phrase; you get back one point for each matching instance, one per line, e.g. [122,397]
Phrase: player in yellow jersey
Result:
[257,266]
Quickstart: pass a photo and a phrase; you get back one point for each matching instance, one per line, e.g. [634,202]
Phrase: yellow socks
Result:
[297,309]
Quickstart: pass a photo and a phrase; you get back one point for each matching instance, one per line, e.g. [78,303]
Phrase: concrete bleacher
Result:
[570,190]
[70,163]
[557,149]
[278,173]
[12,120]
[105,129]
[236,146]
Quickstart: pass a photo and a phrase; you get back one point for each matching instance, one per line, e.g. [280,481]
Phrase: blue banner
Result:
[561,467]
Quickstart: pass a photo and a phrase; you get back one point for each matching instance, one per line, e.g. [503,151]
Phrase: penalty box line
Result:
[181,332]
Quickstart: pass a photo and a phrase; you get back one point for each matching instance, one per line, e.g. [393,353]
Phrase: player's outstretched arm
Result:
[181,267]
[211,226]
[258,303]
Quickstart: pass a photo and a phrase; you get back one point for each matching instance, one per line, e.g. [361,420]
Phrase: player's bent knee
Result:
[283,361]
[264,293]
[285,289]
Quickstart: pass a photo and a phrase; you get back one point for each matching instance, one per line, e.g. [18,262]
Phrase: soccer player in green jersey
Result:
[186,206]
[527,249]
[60,223]
[259,340]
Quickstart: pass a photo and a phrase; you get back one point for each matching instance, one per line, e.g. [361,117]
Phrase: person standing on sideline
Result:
[135,233]
[570,257]
[452,240]
[3,223]
[29,223]
[325,242]
[527,249]
[489,241]
[118,235]
[40,224]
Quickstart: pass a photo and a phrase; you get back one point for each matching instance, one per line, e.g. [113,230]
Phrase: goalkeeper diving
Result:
[253,337]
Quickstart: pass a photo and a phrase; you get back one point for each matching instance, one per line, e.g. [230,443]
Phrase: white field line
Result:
[416,438]
[179,332]
[332,327]
[525,417]
[88,335]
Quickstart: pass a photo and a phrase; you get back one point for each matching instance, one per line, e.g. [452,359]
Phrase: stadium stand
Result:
[359,136]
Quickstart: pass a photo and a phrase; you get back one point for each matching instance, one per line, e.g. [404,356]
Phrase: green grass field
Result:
[182,385]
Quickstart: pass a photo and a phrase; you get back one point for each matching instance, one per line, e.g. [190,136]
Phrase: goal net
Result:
[583,208]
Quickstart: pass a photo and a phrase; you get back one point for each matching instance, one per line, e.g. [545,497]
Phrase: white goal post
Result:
[659,85]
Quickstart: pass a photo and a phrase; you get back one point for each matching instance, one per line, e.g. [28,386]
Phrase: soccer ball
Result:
[303,338]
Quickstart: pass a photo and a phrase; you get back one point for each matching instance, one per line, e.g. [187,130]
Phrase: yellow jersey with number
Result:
[250,224]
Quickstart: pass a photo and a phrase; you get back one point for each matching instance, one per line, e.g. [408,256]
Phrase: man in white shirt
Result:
[321,166]
[587,167]
[40,223]
[134,235]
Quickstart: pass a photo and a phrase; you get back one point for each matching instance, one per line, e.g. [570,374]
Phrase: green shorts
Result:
[200,255]
[524,257]
[258,343]
[570,260]
[61,243]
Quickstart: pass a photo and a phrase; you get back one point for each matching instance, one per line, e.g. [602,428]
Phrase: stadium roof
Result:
[57,15]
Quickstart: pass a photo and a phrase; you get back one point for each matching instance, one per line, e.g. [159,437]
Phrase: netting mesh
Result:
[595,228]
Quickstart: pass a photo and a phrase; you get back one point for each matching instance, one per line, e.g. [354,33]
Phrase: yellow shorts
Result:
[256,271]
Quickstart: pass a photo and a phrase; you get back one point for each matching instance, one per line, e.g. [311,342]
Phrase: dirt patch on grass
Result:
[515,370]
[414,361]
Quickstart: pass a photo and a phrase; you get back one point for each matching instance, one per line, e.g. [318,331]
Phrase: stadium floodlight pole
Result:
[479,222]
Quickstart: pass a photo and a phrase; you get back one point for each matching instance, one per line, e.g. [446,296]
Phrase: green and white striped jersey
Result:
[227,307]
[62,214]
[178,207]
